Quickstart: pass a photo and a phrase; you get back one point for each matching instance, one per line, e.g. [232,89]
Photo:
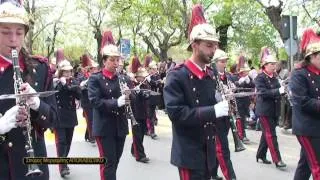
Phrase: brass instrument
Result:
[33,169]
[233,112]
[128,110]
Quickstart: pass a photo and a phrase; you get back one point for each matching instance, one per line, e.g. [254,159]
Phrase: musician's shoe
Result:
[144,160]
[280,164]
[264,160]
[245,140]
[64,172]
[217,178]
[154,136]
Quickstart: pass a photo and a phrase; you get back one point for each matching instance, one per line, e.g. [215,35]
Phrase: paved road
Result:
[159,152]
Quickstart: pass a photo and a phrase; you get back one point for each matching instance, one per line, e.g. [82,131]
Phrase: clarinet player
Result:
[36,76]
[110,125]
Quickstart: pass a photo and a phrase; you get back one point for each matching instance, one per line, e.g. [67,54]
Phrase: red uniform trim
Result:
[269,138]
[184,174]
[223,165]
[195,70]
[108,74]
[313,69]
[134,143]
[311,156]
[240,129]
[102,154]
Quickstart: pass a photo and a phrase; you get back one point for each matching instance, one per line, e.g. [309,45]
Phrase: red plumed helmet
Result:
[107,39]
[310,42]
[147,61]
[241,62]
[59,55]
[86,61]
[198,28]
[135,64]
[266,56]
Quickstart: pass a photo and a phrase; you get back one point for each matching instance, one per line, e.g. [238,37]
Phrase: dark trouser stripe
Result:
[311,156]
[86,117]
[269,138]
[239,128]
[102,154]
[221,159]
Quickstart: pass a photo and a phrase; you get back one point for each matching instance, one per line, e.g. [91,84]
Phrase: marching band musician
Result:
[68,91]
[268,109]
[304,91]
[189,95]
[141,111]
[156,85]
[90,67]
[37,77]
[110,125]
[243,80]
[222,126]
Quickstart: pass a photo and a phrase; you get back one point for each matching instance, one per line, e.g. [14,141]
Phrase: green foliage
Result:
[73,53]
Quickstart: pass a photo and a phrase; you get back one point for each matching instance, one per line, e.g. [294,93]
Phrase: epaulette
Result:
[40,58]
[178,66]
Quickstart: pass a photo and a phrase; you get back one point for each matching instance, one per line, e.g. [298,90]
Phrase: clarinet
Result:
[128,109]
[33,169]
[233,109]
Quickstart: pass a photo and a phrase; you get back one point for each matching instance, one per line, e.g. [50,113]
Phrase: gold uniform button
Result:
[36,83]
[197,101]
[110,90]
[10,144]
[309,74]
[107,84]
[312,82]
[317,89]
[34,71]
[194,89]
[204,126]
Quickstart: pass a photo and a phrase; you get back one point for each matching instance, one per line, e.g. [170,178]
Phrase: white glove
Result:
[63,80]
[242,80]
[148,78]
[247,80]
[121,101]
[83,83]
[33,102]
[221,109]
[218,96]
[9,120]
[281,90]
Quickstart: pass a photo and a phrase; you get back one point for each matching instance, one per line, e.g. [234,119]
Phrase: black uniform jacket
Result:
[12,147]
[243,103]
[189,96]
[268,102]
[108,118]
[66,102]
[304,93]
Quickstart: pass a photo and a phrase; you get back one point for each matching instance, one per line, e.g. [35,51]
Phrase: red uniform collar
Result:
[196,70]
[108,74]
[268,74]
[6,63]
[313,69]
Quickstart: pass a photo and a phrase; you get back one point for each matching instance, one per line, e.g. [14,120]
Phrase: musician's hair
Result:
[307,60]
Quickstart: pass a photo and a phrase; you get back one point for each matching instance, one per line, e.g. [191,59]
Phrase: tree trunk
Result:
[163,54]
[98,37]
[223,32]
